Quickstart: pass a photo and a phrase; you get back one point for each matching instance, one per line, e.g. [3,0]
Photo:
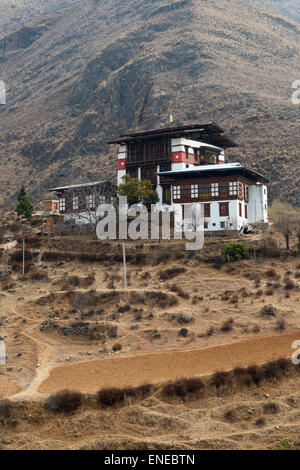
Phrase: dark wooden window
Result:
[246,212]
[222,224]
[224,209]
[133,172]
[205,224]
[204,191]
[186,153]
[206,210]
[165,167]
[224,189]
[240,210]
[146,152]
[149,173]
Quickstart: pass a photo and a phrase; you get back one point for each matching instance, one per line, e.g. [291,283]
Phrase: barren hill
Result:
[82,74]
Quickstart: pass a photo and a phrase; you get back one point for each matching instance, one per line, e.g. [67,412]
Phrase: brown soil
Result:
[135,370]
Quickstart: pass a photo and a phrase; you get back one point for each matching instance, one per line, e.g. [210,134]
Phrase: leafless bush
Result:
[220,379]
[227,326]
[280,325]
[65,401]
[115,396]
[171,273]
[6,409]
[260,422]
[82,301]
[289,284]
[183,387]
[37,275]
[271,408]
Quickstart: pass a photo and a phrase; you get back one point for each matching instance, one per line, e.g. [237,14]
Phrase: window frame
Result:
[194,191]
[224,205]
[176,190]
[62,204]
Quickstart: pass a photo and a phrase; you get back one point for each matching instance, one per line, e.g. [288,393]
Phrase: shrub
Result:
[256,329]
[272,274]
[65,401]
[110,397]
[234,251]
[37,275]
[270,408]
[117,347]
[280,325]
[289,284]
[210,331]
[283,363]
[220,379]
[227,326]
[260,422]
[171,273]
[255,373]
[182,387]
[5,409]
[230,416]
[115,396]
[284,445]
[271,370]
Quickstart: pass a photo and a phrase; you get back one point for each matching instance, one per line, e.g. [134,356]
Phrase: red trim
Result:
[122,164]
[178,157]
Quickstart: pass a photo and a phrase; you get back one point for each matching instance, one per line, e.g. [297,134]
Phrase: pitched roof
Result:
[194,131]
[224,168]
[78,186]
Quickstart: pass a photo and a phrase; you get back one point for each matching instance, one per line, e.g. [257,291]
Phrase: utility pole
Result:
[23,266]
[125,265]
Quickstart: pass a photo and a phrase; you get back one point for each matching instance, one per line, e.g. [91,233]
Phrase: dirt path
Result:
[42,370]
[160,367]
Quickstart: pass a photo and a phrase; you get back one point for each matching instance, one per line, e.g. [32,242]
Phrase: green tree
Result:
[24,206]
[235,250]
[284,445]
[137,191]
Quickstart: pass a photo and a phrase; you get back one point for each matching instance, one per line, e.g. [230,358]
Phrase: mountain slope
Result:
[289,8]
[14,13]
[93,70]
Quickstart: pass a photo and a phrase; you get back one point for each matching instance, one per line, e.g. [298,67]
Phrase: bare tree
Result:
[82,301]
[86,199]
[297,227]
[284,217]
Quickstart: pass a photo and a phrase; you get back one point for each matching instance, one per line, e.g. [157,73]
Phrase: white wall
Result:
[258,204]
[121,173]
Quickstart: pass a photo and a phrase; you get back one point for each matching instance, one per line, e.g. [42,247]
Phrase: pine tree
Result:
[24,206]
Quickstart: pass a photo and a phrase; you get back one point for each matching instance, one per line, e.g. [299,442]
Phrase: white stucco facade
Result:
[248,205]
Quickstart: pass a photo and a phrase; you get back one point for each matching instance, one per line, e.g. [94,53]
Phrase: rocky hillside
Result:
[80,75]
[15,13]
[289,8]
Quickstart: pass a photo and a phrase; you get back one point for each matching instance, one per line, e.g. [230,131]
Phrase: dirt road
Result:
[160,367]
